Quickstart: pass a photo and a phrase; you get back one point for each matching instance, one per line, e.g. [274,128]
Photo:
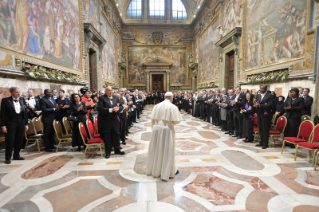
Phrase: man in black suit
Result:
[308,100]
[48,107]
[230,112]
[108,107]
[264,105]
[14,123]
[237,103]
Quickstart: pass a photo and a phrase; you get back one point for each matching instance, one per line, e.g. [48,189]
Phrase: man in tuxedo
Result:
[308,100]
[230,112]
[14,123]
[34,102]
[49,108]
[108,107]
[264,105]
[237,103]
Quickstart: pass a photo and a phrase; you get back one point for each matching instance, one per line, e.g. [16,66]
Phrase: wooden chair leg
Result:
[26,144]
[57,148]
[314,157]
[317,155]
[296,153]
[283,146]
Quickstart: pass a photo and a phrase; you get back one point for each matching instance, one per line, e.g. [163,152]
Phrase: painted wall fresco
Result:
[109,52]
[275,31]
[91,13]
[209,55]
[231,13]
[139,55]
[46,29]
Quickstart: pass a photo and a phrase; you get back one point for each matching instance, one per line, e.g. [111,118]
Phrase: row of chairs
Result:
[35,133]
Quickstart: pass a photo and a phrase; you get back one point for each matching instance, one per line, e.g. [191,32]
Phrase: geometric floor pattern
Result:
[217,173]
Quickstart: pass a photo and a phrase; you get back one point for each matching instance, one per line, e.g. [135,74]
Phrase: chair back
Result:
[281,124]
[37,125]
[57,128]
[305,129]
[316,120]
[40,119]
[83,133]
[90,127]
[284,114]
[67,125]
[315,134]
[305,118]
[31,130]
[96,125]
[255,120]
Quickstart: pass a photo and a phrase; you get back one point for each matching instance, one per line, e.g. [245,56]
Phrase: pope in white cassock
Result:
[161,151]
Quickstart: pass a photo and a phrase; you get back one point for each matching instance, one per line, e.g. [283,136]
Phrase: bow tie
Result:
[15,100]
[31,97]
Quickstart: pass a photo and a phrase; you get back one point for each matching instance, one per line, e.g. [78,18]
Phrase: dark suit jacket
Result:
[307,106]
[266,103]
[9,117]
[48,110]
[107,120]
[239,103]
[296,107]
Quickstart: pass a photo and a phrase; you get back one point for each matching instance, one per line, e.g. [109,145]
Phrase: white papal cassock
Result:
[161,151]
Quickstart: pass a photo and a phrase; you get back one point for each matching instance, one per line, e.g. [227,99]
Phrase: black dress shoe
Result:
[126,138]
[124,143]
[264,147]
[231,133]
[107,155]
[18,158]
[7,161]
[226,132]
[258,145]
[48,150]
[176,173]
[235,135]
[118,152]
[53,147]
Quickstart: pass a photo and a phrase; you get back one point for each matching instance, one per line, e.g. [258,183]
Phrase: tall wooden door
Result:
[158,82]
[231,72]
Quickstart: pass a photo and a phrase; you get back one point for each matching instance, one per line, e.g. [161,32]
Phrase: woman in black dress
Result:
[64,103]
[78,110]
[280,107]
[293,106]
[248,115]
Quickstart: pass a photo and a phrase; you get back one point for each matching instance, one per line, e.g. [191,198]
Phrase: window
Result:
[178,9]
[157,9]
[134,11]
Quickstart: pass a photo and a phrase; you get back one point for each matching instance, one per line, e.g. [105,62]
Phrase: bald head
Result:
[108,91]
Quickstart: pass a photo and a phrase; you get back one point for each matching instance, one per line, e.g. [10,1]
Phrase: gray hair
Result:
[12,89]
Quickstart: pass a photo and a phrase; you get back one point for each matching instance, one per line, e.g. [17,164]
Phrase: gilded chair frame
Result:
[64,139]
[29,137]
[284,141]
[309,150]
[89,146]
[281,135]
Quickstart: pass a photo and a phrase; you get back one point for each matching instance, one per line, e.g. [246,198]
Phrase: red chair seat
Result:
[309,145]
[96,136]
[95,141]
[272,132]
[294,140]
[256,129]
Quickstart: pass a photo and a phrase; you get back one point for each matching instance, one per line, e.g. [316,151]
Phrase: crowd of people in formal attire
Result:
[116,111]
[233,111]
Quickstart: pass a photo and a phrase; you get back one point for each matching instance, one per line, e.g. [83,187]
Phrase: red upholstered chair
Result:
[256,129]
[312,145]
[96,124]
[305,130]
[279,129]
[91,129]
[89,143]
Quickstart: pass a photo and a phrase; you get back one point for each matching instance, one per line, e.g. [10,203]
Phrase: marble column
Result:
[167,80]
[148,81]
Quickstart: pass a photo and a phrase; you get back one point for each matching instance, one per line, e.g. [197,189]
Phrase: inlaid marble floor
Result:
[217,173]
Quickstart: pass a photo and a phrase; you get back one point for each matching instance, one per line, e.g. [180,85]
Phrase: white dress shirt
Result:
[17,106]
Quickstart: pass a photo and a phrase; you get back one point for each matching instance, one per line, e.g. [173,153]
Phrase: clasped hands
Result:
[116,108]
[288,107]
